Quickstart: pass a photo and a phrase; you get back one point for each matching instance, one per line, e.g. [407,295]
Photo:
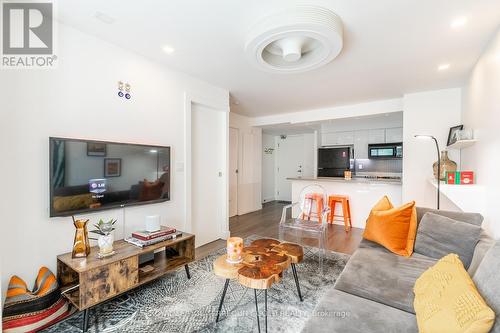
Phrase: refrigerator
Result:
[333,161]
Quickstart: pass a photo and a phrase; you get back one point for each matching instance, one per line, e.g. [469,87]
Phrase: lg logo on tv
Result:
[27,35]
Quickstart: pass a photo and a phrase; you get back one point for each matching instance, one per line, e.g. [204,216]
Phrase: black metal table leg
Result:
[222,299]
[265,306]
[85,323]
[296,277]
[257,309]
[186,267]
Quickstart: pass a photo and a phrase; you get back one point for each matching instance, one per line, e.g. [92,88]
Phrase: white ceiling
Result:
[391,47]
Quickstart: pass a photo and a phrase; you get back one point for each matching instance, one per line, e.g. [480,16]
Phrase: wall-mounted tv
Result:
[87,176]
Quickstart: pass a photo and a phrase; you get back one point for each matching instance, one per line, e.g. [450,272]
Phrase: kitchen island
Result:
[363,194]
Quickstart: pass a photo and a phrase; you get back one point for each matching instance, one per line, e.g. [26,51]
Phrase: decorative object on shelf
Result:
[234,250]
[347,175]
[81,245]
[152,223]
[105,239]
[268,151]
[112,167]
[96,149]
[420,136]
[460,177]
[452,135]
[445,166]
[465,134]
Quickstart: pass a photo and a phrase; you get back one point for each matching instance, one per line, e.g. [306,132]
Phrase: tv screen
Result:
[87,176]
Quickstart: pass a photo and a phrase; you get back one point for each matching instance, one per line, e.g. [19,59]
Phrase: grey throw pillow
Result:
[439,235]
[486,280]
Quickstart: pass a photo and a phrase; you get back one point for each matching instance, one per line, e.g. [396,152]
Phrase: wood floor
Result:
[265,222]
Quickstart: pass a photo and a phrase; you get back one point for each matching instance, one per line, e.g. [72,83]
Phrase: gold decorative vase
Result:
[446,165]
[81,245]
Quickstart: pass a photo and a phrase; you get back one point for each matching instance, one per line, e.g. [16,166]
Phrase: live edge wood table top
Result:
[90,281]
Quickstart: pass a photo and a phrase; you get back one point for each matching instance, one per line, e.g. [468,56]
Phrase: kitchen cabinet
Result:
[337,138]
[361,144]
[376,135]
[394,135]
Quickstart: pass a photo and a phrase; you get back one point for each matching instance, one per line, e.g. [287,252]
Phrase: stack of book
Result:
[145,238]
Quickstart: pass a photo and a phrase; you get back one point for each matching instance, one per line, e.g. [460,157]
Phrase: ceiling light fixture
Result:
[443,67]
[168,49]
[458,22]
[295,40]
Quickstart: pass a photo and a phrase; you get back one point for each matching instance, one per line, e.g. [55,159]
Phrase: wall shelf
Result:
[460,144]
[469,198]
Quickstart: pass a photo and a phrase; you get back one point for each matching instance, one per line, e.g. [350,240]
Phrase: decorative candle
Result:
[234,249]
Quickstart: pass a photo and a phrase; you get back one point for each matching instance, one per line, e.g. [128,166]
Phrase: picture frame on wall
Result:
[96,149]
[112,167]
[452,135]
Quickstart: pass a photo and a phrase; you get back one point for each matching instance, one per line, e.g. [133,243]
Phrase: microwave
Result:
[385,150]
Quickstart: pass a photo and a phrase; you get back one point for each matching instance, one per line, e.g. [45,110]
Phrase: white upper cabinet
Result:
[361,144]
[394,135]
[376,135]
[337,138]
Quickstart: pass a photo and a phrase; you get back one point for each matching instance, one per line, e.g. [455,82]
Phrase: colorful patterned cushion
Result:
[30,311]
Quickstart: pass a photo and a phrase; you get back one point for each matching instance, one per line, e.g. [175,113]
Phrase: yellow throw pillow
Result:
[446,300]
[393,228]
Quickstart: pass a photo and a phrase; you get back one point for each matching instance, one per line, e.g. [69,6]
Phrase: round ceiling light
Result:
[296,40]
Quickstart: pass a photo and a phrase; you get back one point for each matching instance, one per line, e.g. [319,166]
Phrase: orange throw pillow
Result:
[393,228]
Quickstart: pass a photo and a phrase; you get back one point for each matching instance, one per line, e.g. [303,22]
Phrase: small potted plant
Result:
[105,239]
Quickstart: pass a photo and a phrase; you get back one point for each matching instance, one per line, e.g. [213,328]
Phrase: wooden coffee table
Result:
[264,261]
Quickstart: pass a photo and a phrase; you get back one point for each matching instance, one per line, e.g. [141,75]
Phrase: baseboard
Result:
[225,234]
[268,199]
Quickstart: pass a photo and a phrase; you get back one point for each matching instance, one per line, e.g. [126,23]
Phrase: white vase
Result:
[105,244]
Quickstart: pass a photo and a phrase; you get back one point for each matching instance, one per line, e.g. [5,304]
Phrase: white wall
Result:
[481,112]
[250,164]
[431,113]
[268,168]
[354,110]
[79,99]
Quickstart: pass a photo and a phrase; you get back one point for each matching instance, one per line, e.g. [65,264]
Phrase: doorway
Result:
[295,158]
[208,165]
[233,171]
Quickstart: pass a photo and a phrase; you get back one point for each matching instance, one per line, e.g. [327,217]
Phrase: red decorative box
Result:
[466,177]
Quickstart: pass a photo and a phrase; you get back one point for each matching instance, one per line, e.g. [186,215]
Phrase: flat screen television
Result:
[88,176]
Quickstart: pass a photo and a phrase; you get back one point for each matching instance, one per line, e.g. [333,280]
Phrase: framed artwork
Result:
[96,149]
[112,167]
[452,136]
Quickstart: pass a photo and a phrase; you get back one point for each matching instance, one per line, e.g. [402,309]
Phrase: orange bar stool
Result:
[346,210]
[309,201]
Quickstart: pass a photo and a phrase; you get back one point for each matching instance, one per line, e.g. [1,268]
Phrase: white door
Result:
[233,171]
[208,201]
[290,156]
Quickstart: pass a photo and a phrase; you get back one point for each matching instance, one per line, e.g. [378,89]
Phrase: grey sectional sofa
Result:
[374,293]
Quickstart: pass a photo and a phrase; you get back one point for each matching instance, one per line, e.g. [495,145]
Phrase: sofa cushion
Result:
[485,243]
[393,228]
[446,300]
[339,312]
[486,280]
[439,235]
[472,218]
[383,277]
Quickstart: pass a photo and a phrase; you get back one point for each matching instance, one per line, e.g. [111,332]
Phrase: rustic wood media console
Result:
[86,282]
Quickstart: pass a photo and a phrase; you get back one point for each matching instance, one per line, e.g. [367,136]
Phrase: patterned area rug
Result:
[176,304]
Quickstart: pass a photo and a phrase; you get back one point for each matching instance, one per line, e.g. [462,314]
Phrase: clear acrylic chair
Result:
[311,220]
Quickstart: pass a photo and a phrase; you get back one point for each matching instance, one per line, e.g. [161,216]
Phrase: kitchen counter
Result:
[363,194]
[353,180]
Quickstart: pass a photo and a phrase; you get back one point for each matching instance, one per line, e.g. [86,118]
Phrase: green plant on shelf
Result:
[104,228]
